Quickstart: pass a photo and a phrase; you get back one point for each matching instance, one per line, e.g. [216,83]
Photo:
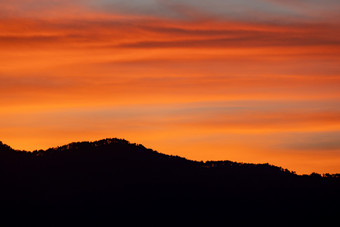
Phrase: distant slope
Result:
[113,176]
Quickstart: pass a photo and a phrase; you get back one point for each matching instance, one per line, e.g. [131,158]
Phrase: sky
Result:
[249,81]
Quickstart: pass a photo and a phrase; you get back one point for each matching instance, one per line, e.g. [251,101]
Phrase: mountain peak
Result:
[112,172]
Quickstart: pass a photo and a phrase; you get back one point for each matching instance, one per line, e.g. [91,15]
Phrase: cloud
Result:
[270,11]
[160,33]
[254,40]
[323,142]
[265,11]
[232,75]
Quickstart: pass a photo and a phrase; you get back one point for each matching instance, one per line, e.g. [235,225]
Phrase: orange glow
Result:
[204,89]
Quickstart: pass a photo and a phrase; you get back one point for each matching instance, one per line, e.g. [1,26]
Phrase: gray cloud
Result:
[318,141]
[269,11]
[244,10]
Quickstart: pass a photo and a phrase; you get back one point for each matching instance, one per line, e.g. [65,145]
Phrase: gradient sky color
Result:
[250,81]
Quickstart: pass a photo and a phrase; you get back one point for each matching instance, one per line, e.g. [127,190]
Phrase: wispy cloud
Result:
[245,76]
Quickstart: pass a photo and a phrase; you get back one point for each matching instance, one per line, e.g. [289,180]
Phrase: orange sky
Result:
[205,84]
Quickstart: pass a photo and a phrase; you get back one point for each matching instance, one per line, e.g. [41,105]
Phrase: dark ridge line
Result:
[207,164]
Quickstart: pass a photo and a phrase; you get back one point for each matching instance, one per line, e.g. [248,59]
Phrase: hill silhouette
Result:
[112,178]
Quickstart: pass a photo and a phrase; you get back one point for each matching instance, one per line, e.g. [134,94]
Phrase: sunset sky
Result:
[243,80]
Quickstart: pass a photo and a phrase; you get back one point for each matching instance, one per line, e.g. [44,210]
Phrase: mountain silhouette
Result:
[112,178]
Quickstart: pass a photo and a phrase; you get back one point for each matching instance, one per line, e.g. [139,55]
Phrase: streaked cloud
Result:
[253,81]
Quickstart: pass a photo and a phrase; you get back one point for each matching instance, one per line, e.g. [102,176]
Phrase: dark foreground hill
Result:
[111,180]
